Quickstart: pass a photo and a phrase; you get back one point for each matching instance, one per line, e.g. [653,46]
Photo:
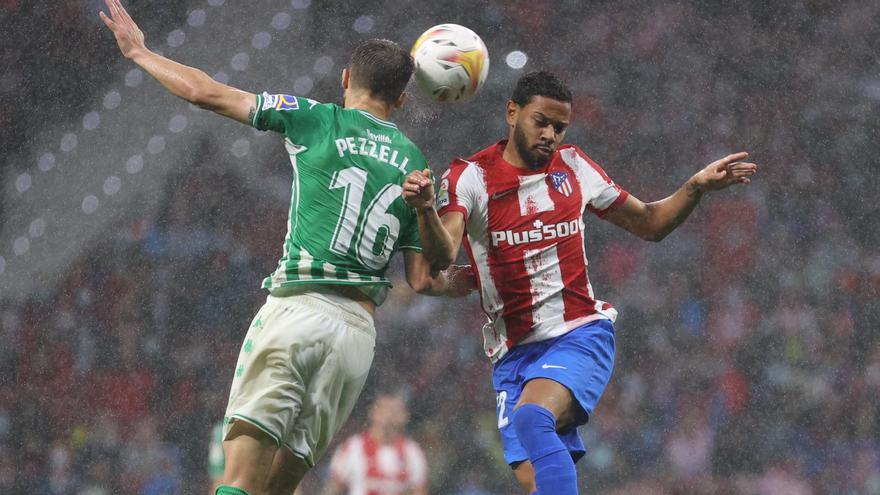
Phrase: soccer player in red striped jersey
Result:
[380,460]
[521,204]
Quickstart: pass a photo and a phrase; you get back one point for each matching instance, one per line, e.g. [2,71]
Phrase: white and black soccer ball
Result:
[451,62]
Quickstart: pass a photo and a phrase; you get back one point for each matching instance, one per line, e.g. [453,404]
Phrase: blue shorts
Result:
[581,360]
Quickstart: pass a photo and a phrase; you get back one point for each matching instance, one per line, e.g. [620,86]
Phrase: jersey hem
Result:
[290,283]
[614,204]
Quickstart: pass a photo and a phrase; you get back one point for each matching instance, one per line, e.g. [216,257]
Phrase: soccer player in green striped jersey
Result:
[307,352]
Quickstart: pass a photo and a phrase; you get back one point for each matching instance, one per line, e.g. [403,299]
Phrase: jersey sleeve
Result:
[603,194]
[457,189]
[302,119]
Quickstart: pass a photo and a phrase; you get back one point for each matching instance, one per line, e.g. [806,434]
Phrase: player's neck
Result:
[361,101]
[512,157]
[382,435]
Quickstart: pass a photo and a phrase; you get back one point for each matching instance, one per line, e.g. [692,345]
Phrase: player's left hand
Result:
[418,189]
[724,172]
[128,35]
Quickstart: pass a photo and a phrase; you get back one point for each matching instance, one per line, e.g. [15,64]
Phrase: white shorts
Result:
[301,369]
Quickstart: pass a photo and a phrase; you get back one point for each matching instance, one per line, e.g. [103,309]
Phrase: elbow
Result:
[421,285]
[652,236]
[656,237]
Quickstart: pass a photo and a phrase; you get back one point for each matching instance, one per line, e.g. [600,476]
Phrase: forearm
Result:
[438,246]
[666,215]
[182,81]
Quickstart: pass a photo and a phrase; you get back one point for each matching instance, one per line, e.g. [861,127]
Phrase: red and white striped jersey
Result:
[366,466]
[525,240]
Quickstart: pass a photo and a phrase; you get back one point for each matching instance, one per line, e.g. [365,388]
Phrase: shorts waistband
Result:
[340,307]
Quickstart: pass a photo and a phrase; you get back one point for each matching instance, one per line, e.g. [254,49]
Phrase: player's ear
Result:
[346,76]
[400,100]
[512,111]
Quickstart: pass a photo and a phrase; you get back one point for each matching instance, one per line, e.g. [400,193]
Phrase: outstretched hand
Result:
[724,173]
[418,189]
[128,35]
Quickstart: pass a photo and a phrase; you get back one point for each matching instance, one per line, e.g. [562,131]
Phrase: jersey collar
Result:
[376,119]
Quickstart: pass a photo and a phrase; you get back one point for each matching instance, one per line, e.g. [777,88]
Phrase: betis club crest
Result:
[561,183]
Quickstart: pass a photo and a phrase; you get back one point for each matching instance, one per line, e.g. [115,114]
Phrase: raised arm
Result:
[191,84]
[654,221]
[440,242]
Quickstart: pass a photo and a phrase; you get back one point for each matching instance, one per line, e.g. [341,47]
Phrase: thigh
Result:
[580,363]
[333,389]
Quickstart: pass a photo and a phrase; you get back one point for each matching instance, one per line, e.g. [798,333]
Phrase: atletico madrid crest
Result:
[561,183]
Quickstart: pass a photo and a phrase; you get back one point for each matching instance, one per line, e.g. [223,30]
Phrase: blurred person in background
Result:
[307,353]
[521,204]
[380,460]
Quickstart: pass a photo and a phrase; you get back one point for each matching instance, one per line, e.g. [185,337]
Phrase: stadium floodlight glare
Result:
[91,121]
[46,162]
[364,24]
[240,61]
[23,182]
[21,246]
[303,85]
[323,65]
[281,21]
[134,78]
[241,147]
[516,59]
[112,99]
[261,40]
[176,38]
[177,123]
[37,227]
[112,185]
[196,18]
[134,164]
[90,204]
[156,145]
[69,142]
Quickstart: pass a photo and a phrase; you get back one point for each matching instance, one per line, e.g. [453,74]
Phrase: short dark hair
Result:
[540,83]
[382,67]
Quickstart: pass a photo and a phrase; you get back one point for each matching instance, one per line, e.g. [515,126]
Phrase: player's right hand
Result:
[461,280]
[128,35]
[418,189]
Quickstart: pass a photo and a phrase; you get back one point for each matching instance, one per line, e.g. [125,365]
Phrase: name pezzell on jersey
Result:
[368,146]
[540,233]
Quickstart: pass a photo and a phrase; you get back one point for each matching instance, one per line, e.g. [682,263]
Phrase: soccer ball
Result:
[451,62]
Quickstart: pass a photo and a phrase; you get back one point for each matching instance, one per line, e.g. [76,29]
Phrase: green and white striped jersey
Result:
[347,217]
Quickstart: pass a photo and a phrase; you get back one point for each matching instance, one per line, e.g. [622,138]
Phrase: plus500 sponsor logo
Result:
[541,232]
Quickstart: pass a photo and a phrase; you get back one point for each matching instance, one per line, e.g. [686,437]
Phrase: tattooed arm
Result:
[191,84]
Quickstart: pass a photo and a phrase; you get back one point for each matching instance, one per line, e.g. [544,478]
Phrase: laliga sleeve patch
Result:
[443,194]
[269,101]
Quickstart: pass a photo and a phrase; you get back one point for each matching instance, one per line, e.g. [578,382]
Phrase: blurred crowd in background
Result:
[748,358]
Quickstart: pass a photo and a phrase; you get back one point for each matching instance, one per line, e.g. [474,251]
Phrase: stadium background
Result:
[135,230]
